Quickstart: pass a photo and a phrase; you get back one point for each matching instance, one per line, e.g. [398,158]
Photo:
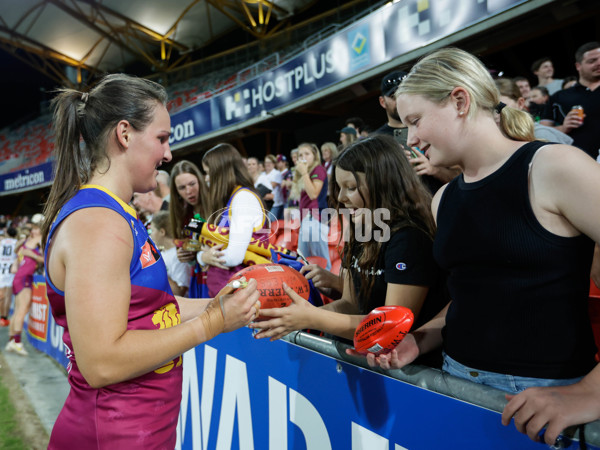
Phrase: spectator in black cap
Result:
[347,136]
[358,124]
[432,176]
[389,84]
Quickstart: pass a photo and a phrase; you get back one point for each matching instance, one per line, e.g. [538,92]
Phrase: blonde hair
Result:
[332,148]
[271,158]
[521,122]
[436,75]
[351,139]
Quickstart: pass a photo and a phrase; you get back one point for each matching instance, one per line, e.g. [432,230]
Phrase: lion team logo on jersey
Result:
[149,255]
[166,317]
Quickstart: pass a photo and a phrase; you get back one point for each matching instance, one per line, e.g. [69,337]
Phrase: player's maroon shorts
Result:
[20,283]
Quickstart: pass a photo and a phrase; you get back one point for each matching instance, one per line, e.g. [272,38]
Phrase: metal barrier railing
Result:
[437,381]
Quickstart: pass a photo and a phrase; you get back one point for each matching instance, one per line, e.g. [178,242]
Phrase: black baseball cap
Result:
[391,81]
[348,130]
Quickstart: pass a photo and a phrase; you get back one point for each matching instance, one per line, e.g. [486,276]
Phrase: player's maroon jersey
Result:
[138,413]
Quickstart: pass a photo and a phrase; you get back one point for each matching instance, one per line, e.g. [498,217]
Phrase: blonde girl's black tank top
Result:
[519,292]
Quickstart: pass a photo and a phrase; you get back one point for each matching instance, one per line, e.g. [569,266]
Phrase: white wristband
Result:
[199,258]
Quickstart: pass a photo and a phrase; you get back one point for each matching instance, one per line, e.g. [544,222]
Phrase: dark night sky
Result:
[21,90]
[21,83]
[23,87]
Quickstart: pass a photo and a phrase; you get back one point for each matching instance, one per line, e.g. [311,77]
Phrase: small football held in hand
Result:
[382,329]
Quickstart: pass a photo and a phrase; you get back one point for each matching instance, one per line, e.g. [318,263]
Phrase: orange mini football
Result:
[270,279]
[382,329]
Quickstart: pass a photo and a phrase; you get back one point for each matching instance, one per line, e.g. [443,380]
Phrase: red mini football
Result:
[382,329]
[270,278]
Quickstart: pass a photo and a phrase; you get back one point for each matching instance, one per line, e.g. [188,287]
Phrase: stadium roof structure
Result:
[98,36]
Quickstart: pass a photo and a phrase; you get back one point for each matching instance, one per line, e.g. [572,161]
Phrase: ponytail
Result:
[68,154]
[517,125]
[82,123]
[437,74]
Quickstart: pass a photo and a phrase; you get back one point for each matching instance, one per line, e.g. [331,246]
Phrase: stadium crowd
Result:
[475,194]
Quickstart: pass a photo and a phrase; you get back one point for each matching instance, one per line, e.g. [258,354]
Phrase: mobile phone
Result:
[401,135]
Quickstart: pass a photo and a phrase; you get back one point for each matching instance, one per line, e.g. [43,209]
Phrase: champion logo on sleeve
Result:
[401,266]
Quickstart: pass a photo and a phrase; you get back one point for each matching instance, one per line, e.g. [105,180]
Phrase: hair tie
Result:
[499,107]
[84,96]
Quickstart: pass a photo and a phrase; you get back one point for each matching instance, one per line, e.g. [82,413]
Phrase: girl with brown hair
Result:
[388,257]
[233,203]
[188,199]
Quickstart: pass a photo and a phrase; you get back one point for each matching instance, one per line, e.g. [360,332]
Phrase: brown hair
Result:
[91,117]
[160,220]
[227,171]
[179,209]
[538,62]
[392,184]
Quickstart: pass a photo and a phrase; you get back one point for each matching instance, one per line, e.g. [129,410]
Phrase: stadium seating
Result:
[28,145]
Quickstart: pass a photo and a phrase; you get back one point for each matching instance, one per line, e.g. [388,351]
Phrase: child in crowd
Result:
[179,273]
[310,186]
[390,222]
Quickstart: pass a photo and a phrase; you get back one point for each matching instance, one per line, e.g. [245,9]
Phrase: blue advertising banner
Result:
[389,32]
[242,393]
[24,180]
[415,23]
[190,123]
[246,394]
[309,72]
